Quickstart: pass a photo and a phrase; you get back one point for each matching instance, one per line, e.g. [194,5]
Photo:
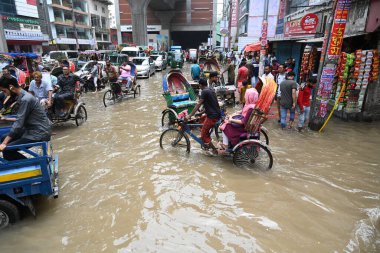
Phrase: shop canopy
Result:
[252,47]
[26,55]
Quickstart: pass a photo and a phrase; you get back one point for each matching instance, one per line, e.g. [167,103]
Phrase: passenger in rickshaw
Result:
[234,125]
[46,76]
[30,125]
[68,84]
[41,89]
[213,113]
[125,74]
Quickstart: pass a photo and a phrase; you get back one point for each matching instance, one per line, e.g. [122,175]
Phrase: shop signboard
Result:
[20,20]
[264,34]
[28,27]
[309,22]
[27,8]
[293,28]
[337,31]
[149,28]
[281,15]
[23,35]
[234,13]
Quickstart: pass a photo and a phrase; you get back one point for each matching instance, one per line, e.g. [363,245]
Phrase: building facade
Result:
[79,24]
[194,18]
[25,25]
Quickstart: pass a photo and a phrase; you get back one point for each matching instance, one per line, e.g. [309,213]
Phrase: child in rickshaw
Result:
[125,74]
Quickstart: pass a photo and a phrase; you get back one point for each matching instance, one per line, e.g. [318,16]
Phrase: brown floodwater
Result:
[120,193]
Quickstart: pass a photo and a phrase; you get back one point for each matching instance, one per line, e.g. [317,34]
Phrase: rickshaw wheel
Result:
[8,213]
[81,115]
[173,139]
[253,155]
[168,119]
[137,91]
[109,98]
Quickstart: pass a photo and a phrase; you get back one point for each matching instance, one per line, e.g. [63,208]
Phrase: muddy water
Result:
[121,193]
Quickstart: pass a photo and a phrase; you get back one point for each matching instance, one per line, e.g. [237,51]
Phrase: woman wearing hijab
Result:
[235,125]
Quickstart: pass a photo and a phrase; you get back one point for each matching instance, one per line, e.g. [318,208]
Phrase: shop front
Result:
[25,41]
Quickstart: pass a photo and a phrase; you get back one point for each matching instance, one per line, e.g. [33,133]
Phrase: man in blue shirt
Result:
[195,71]
[41,89]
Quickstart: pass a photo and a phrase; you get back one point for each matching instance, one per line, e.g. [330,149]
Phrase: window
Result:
[7,7]
[103,10]
[96,7]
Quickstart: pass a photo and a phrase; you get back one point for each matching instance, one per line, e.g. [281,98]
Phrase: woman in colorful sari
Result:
[234,126]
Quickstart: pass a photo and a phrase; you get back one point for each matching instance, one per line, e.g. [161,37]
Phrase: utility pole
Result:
[3,41]
[229,25]
[74,25]
[263,39]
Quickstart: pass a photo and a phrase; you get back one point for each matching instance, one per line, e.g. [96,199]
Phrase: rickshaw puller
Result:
[210,101]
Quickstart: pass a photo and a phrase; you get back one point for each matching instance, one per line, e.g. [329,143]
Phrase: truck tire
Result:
[9,213]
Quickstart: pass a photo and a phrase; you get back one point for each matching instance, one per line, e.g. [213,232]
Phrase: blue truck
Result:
[23,180]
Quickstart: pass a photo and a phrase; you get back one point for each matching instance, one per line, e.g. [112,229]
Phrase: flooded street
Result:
[121,193]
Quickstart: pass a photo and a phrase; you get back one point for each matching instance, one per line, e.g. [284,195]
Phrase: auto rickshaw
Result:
[177,60]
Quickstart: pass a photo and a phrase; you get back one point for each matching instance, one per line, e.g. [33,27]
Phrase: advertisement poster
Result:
[281,15]
[27,8]
[293,29]
[162,42]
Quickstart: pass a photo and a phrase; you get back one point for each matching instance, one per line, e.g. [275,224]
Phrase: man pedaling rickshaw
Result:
[68,84]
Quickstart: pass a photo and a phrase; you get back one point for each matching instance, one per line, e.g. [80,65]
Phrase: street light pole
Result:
[74,25]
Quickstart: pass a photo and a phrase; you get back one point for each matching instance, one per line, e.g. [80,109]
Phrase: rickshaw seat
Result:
[181,97]
[183,104]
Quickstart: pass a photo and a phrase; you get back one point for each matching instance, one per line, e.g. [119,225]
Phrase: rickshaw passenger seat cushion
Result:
[180,97]
[184,104]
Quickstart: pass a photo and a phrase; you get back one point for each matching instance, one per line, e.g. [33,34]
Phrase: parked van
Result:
[70,55]
[132,52]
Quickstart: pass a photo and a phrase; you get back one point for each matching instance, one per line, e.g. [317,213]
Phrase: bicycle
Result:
[249,152]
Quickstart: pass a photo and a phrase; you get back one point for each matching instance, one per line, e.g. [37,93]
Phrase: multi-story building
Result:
[99,14]
[187,23]
[79,24]
[24,25]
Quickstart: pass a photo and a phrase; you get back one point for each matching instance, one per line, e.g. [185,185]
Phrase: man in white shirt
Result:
[41,89]
[267,72]
[280,77]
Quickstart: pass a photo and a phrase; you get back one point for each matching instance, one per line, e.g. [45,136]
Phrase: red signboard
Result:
[264,34]
[309,22]
[234,13]
[337,31]
[293,29]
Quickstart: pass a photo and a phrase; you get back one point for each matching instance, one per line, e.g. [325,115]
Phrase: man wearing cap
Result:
[209,100]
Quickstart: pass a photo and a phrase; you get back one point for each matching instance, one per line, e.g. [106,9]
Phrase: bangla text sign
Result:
[294,29]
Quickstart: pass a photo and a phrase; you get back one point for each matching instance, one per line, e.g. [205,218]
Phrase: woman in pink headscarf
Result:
[236,124]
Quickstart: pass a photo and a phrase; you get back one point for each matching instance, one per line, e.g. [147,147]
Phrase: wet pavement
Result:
[121,193]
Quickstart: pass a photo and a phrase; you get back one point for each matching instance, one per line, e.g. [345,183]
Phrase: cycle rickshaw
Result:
[75,109]
[249,152]
[179,96]
[118,89]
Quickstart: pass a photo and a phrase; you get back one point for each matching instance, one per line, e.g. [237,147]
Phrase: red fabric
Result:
[304,97]
[205,132]
[253,47]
